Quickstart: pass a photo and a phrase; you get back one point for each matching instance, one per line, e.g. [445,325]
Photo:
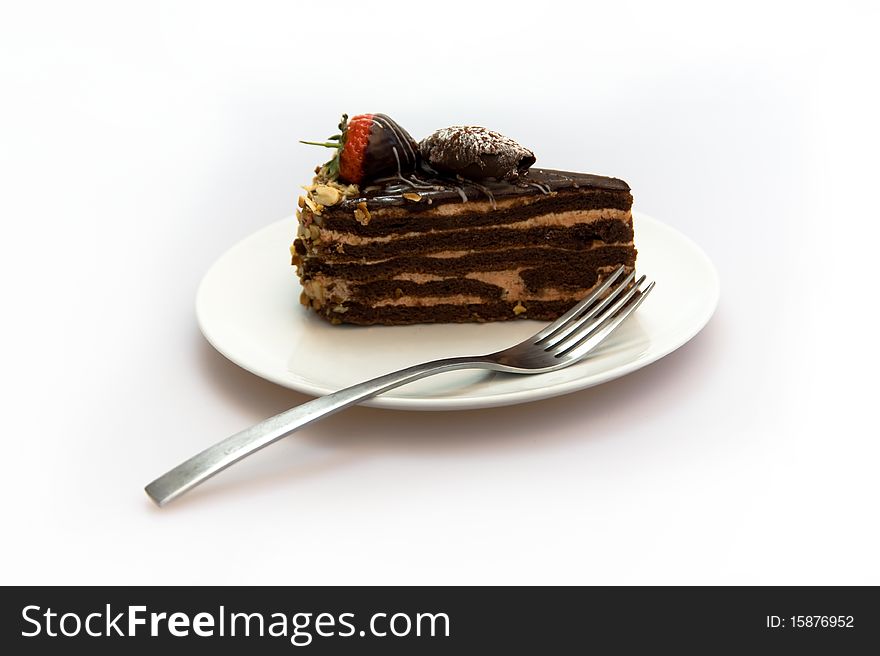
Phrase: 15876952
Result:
[822,621]
[810,622]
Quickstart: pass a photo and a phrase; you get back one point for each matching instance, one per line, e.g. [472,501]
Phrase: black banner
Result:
[437,620]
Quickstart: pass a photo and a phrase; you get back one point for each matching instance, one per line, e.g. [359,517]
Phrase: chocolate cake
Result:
[457,228]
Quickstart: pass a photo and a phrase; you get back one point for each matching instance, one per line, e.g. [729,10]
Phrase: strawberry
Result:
[369,146]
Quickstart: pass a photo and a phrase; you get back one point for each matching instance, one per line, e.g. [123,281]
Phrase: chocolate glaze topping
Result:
[390,191]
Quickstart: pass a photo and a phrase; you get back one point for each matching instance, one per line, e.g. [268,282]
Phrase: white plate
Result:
[248,309]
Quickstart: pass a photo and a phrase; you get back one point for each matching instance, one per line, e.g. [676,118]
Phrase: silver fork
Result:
[565,341]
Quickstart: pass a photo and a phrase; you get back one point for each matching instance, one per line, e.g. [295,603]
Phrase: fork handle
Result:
[216,458]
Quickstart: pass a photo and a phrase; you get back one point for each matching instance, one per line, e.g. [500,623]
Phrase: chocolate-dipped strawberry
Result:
[475,153]
[368,147]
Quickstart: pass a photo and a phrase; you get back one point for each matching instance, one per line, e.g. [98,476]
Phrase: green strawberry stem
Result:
[330,170]
[326,144]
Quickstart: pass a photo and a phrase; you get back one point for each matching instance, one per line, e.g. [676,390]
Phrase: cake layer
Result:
[474,214]
[366,315]
[497,285]
[571,237]
[555,262]
[321,234]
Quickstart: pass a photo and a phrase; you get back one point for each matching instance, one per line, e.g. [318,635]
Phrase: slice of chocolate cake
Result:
[465,231]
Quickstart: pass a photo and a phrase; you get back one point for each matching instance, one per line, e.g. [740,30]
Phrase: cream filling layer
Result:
[336,290]
[548,294]
[554,219]
[449,255]
[466,299]
[509,281]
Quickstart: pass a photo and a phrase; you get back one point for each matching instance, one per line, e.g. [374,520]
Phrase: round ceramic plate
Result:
[248,308]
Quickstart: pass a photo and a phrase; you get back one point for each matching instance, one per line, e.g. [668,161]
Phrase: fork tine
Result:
[585,329]
[611,320]
[577,309]
[589,319]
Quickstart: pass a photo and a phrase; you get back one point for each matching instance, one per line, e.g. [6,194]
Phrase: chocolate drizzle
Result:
[388,192]
[390,148]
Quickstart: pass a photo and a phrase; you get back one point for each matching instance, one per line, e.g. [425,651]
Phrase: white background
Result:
[141,140]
